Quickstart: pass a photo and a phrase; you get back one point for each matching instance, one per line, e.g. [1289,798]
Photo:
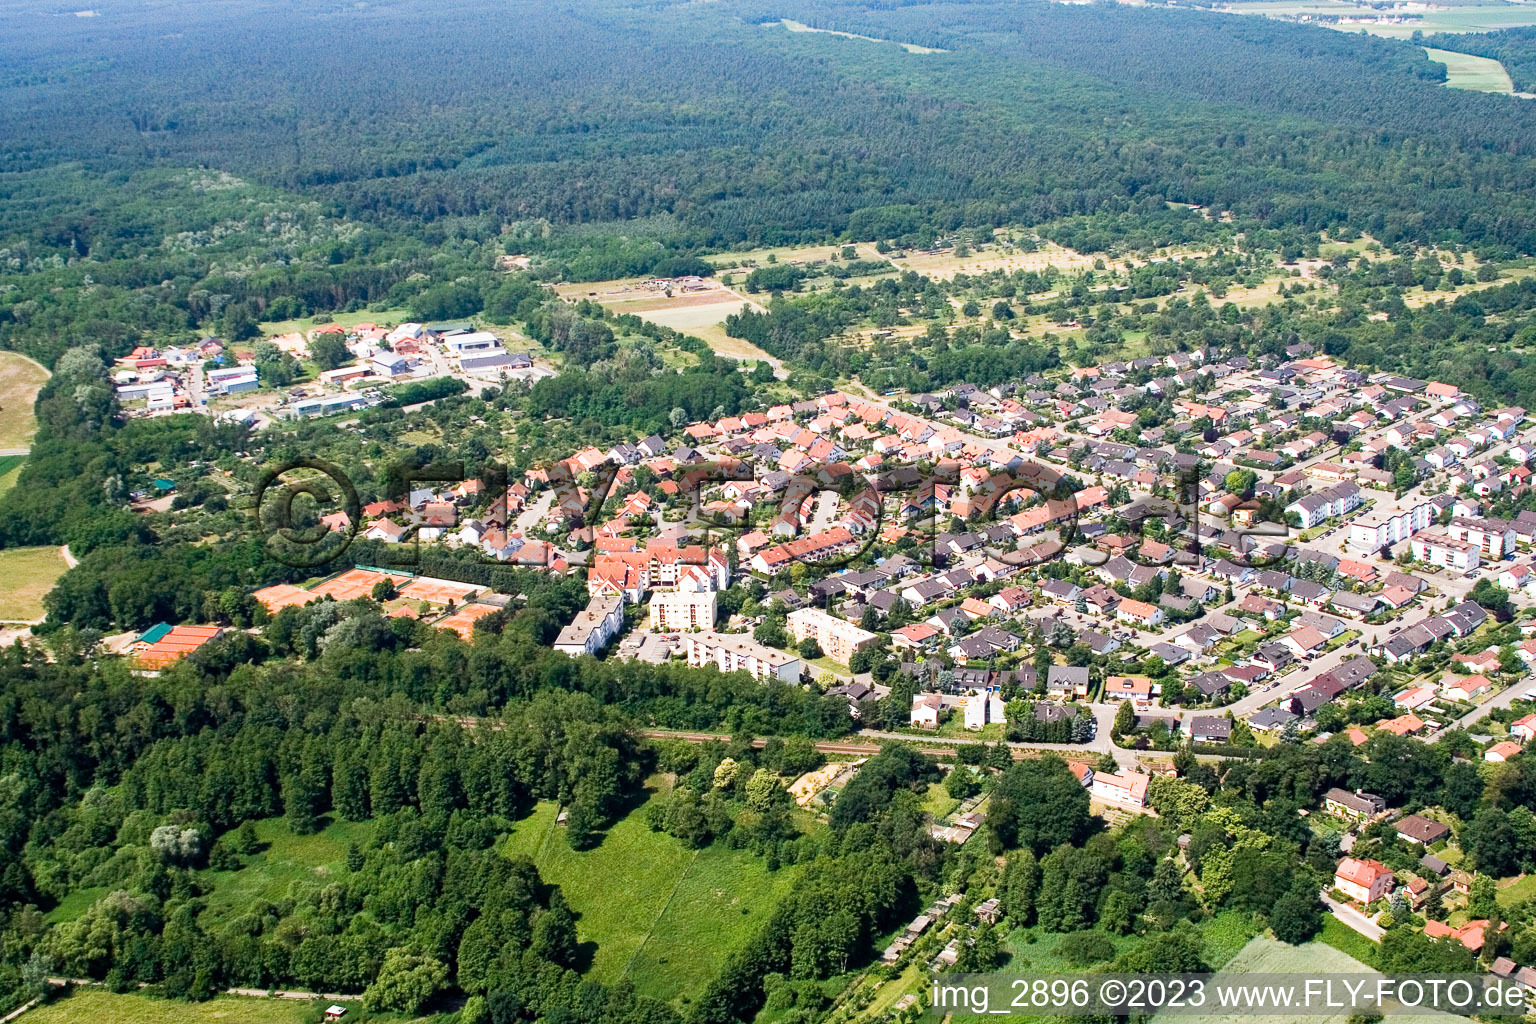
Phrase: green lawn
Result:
[101,1007]
[10,469]
[1264,955]
[661,915]
[1517,892]
[724,897]
[76,903]
[938,802]
[287,860]
[26,574]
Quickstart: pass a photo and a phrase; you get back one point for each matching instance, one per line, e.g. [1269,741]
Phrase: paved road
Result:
[14,451]
[1352,917]
[1504,699]
[532,515]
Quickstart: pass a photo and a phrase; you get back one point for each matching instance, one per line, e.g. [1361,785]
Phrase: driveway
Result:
[1352,917]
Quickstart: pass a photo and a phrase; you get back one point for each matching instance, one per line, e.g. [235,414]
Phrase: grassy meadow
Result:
[662,916]
[26,575]
[1479,74]
[99,1006]
[20,381]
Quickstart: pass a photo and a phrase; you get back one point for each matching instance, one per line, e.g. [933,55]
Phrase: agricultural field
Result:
[1464,71]
[20,381]
[26,575]
[700,313]
[661,916]
[1264,955]
[1472,17]
[104,1007]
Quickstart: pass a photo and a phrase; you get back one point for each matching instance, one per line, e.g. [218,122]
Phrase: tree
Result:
[406,982]
[1298,914]
[1021,881]
[1038,804]
[726,772]
[329,350]
[1125,719]
[809,649]
[1492,597]
[961,783]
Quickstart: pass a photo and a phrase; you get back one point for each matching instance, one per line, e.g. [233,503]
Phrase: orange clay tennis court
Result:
[436,591]
[355,583]
[462,621]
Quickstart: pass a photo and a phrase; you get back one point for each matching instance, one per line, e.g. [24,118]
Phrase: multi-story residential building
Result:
[1331,501]
[679,610]
[1127,789]
[1494,537]
[838,638]
[1374,534]
[1442,549]
[1364,881]
[733,652]
[593,627]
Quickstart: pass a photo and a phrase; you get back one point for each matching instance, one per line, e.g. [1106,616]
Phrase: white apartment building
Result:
[838,638]
[1441,549]
[737,652]
[1376,533]
[592,628]
[678,610]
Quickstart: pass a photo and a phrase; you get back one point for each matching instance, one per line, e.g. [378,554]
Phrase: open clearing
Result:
[284,860]
[1479,74]
[1264,955]
[364,316]
[20,381]
[104,1007]
[795,26]
[10,471]
[662,916]
[26,574]
[699,313]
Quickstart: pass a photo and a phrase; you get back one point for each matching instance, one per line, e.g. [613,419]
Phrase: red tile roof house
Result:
[1524,729]
[1471,935]
[1364,881]
[913,636]
[1139,612]
[1501,751]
